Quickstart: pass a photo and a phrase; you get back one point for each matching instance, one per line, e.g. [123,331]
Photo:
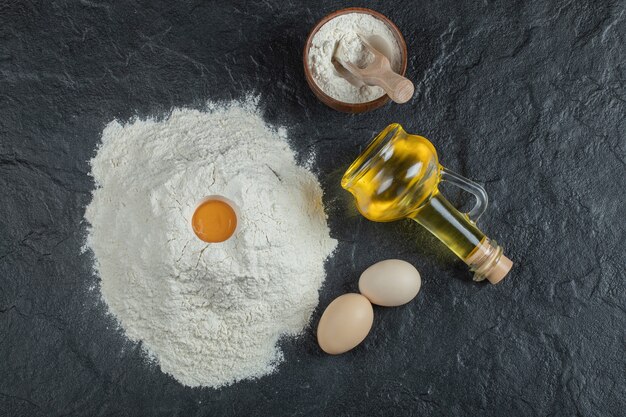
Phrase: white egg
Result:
[390,283]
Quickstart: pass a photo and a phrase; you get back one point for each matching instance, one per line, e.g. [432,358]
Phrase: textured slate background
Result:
[529,99]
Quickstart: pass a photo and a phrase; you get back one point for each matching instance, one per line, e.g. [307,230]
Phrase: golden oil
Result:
[454,229]
[393,176]
[397,176]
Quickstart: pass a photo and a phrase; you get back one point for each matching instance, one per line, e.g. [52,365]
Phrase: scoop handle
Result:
[397,87]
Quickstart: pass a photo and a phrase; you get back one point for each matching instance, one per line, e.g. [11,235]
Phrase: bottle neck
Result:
[450,226]
[461,235]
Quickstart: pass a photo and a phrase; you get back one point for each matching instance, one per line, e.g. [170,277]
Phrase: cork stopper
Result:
[488,262]
[499,270]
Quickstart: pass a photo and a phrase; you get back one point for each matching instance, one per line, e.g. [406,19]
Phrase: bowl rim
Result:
[342,105]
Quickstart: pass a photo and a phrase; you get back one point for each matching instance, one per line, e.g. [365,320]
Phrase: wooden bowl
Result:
[341,105]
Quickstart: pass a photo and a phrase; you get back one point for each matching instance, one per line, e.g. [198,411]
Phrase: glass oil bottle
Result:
[398,176]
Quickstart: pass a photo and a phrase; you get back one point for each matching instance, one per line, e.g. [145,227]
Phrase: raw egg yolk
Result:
[214,221]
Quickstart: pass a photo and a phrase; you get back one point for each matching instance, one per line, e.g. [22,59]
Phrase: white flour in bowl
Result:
[210,314]
[343,29]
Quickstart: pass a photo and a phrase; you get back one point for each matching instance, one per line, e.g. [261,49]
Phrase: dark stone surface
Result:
[527,97]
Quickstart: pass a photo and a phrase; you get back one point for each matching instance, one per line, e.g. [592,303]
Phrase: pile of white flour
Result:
[343,30]
[210,314]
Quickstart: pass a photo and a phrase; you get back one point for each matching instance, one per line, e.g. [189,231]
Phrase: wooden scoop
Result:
[379,73]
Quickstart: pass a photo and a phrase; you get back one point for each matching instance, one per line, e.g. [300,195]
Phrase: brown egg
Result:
[345,323]
[390,283]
